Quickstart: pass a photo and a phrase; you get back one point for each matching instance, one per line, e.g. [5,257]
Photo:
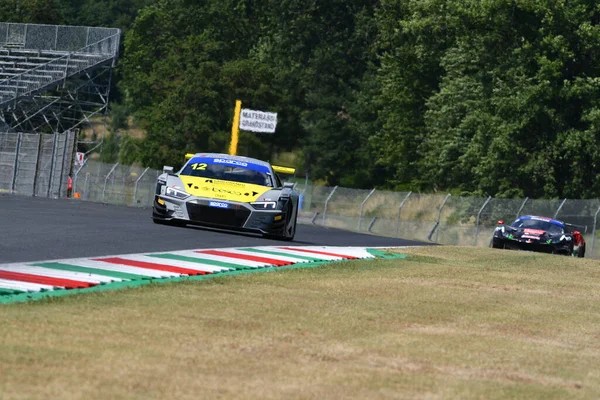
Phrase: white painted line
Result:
[176,263]
[192,253]
[273,256]
[87,263]
[321,257]
[56,273]
[26,286]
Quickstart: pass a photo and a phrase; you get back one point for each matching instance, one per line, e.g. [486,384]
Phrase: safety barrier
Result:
[440,218]
[36,164]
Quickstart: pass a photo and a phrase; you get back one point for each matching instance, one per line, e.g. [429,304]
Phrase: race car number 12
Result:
[199,167]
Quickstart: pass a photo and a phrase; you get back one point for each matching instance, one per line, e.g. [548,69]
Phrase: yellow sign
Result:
[222,190]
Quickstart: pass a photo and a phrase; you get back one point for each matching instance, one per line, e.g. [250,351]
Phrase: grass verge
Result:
[446,322]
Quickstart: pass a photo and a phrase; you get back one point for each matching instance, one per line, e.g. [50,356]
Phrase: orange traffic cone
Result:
[77,195]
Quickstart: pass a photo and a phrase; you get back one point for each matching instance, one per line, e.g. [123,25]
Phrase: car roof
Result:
[538,218]
[236,158]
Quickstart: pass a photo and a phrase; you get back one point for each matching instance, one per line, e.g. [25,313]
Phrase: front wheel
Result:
[290,229]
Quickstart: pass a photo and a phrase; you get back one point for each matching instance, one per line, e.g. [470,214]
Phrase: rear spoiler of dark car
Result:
[580,227]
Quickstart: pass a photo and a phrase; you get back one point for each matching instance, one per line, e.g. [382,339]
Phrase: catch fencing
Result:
[115,183]
[439,218]
[36,164]
[55,37]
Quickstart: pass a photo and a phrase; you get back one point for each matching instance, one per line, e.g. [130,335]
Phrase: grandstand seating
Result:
[42,63]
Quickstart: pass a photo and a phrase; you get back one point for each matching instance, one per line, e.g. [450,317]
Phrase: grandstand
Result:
[54,83]
[54,78]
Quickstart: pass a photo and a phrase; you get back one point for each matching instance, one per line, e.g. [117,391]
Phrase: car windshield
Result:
[538,224]
[228,170]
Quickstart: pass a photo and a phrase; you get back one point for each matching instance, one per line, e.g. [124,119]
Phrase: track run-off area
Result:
[53,245]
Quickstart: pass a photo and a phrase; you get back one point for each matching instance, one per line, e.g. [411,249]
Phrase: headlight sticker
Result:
[178,194]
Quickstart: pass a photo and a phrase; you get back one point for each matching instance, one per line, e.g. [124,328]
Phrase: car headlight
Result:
[264,205]
[178,194]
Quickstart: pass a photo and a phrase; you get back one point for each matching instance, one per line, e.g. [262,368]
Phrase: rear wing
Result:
[579,227]
[284,170]
[188,156]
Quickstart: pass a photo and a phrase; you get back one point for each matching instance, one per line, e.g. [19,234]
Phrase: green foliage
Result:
[504,96]
[471,97]
[128,149]
[110,148]
[119,114]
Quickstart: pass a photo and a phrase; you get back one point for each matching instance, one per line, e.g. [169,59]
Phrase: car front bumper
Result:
[531,245]
[237,216]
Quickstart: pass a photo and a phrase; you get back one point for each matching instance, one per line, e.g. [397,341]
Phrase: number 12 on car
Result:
[199,167]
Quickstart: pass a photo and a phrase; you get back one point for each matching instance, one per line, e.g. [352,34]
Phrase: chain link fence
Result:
[53,37]
[439,218]
[115,183]
[36,164]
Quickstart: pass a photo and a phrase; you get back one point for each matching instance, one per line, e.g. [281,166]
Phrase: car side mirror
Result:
[289,185]
[167,170]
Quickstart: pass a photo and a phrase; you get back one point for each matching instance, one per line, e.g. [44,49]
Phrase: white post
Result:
[438,219]
[522,206]
[327,201]
[399,211]
[77,174]
[16,163]
[106,179]
[559,208]
[477,223]
[361,209]
[135,188]
[52,162]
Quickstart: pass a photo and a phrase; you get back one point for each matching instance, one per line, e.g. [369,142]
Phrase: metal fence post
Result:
[77,174]
[135,187]
[522,206]
[16,164]
[559,208]
[361,208]
[56,38]
[86,186]
[371,224]
[594,232]
[477,223]
[52,162]
[327,201]
[37,163]
[106,179]
[62,167]
[399,211]
[438,219]
[66,70]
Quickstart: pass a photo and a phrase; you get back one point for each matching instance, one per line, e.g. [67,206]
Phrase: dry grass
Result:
[445,323]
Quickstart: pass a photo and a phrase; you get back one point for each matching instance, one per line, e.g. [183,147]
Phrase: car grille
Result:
[218,216]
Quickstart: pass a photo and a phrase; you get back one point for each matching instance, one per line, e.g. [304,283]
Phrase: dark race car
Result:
[540,234]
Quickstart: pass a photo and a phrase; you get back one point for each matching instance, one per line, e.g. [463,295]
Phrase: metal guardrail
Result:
[36,164]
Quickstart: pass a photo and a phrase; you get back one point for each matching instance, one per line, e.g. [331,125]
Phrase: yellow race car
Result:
[231,192]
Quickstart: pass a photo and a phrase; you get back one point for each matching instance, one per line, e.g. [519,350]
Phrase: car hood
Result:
[222,190]
[529,233]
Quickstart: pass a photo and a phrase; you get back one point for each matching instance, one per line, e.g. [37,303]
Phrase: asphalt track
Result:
[35,229]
